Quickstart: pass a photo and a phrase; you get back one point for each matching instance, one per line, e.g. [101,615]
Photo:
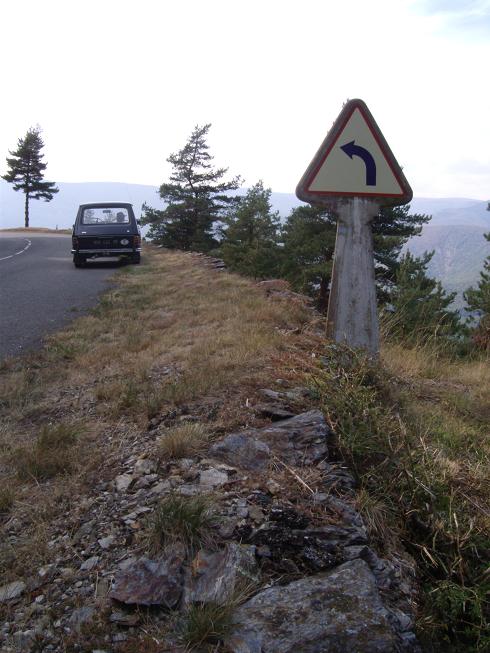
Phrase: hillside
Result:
[455,233]
[183,449]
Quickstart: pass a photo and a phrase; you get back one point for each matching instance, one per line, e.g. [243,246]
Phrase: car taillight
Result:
[74,241]
[136,241]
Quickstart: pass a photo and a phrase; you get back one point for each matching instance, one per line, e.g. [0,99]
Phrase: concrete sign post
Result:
[354,174]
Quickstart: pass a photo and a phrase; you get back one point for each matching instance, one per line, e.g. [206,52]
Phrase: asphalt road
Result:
[41,290]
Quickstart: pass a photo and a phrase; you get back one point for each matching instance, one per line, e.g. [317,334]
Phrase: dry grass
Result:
[171,336]
[52,453]
[416,432]
[7,497]
[183,441]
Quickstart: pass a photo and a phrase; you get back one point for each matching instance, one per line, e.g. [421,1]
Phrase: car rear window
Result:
[105,215]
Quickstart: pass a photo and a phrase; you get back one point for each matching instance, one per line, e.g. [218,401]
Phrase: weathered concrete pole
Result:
[352,315]
[353,175]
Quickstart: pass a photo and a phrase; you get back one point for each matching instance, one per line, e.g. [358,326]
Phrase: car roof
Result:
[104,204]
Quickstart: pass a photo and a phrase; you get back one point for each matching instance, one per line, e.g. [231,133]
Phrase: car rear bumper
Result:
[106,252]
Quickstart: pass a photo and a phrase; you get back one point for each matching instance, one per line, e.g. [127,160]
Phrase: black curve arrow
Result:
[351,149]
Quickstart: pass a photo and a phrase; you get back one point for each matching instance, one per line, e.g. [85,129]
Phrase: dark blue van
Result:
[106,229]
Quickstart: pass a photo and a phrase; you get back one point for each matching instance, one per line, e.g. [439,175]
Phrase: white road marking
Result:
[17,253]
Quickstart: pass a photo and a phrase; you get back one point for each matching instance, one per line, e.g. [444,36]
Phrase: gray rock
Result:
[11,590]
[105,542]
[125,618]
[81,616]
[161,488]
[216,576]
[300,440]
[334,612]
[145,466]
[273,411]
[211,478]
[123,482]
[243,450]
[89,564]
[149,582]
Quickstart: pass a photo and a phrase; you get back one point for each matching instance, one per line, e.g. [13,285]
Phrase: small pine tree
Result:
[420,304]
[392,228]
[250,240]
[196,196]
[309,241]
[478,303]
[26,170]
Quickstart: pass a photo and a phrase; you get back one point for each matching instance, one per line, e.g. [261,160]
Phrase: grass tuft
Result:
[189,520]
[206,624]
[50,455]
[7,497]
[183,441]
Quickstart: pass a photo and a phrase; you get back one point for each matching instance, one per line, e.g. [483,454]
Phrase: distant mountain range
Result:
[455,231]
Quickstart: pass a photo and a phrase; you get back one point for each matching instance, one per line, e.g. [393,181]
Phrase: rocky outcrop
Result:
[299,440]
[334,612]
[298,548]
[151,583]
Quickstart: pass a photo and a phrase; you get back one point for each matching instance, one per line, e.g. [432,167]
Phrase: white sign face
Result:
[354,160]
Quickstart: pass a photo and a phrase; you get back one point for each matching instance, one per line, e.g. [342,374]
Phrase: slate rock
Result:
[150,582]
[211,478]
[145,466]
[312,549]
[300,440]
[123,481]
[11,590]
[89,564]
[243,450]
[214,577]
[81,616]
[274,412]
[334,612]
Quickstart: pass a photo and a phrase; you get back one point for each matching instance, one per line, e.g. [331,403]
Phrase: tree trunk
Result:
[27,211]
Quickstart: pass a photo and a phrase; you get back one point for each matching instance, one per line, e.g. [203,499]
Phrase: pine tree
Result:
[26,170]
[250,240]
[419,303]
[392,228]
[478,303]
[196,196]
[309,241]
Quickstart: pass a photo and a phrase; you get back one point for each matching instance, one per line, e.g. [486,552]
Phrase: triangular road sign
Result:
[354,160]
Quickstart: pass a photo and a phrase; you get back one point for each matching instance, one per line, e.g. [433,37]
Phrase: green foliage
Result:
[26,170]
[392,228]
[178,518]
[309,242]
[478,302]
[196,196]
[250,244]
[421,306]
[407,493]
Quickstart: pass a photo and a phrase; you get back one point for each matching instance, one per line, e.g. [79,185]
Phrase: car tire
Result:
[79,261]
[136,259]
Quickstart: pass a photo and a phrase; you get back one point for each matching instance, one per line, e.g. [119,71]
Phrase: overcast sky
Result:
[117,86]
